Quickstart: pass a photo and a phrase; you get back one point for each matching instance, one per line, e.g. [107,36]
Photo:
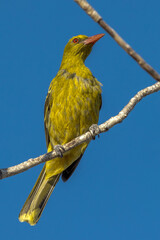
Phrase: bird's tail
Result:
[38,198]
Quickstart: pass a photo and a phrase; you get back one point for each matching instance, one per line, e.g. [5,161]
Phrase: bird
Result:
[71,108]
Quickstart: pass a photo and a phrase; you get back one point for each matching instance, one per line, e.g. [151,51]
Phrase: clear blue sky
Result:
[115,192]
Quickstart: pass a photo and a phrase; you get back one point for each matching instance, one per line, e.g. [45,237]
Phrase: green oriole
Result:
[72,105]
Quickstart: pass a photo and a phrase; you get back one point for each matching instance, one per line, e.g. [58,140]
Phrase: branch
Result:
[7,172]
[97,18]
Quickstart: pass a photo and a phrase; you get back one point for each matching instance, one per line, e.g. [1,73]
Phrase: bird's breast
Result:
[75,107]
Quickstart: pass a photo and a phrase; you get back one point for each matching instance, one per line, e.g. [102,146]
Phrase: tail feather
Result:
[38,198]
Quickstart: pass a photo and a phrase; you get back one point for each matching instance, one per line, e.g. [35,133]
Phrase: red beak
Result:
[92,40]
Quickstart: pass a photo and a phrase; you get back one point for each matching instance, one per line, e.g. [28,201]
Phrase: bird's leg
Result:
[94,130]
[59,149]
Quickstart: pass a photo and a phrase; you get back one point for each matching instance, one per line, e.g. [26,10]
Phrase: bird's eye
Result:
[75,40]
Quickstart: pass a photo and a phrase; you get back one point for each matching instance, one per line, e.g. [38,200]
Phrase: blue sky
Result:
[115,192]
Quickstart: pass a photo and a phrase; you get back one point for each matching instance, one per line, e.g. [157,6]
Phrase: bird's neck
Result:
[76,66]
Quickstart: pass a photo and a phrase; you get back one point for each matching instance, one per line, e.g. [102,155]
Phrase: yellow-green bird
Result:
[72,105]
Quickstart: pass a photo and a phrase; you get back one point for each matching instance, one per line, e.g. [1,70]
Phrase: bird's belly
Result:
[70,117]
[58,165]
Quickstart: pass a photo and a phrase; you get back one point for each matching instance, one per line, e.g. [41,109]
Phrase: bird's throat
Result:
[76,66]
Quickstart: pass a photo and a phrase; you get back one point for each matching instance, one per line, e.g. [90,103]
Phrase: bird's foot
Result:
[94,130]
[59,149]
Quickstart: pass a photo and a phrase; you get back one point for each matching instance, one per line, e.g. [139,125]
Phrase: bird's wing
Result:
[47,108]
[100,96]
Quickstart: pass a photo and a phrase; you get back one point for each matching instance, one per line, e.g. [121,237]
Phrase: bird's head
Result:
[79,47]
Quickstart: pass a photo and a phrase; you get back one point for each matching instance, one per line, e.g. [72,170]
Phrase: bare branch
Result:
[7,172]
[97,18]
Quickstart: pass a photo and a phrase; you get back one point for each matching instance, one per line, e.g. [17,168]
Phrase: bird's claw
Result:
[94,130]
[59,149]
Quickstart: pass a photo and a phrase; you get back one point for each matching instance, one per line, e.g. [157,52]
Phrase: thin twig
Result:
[7,172]
[97,18]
